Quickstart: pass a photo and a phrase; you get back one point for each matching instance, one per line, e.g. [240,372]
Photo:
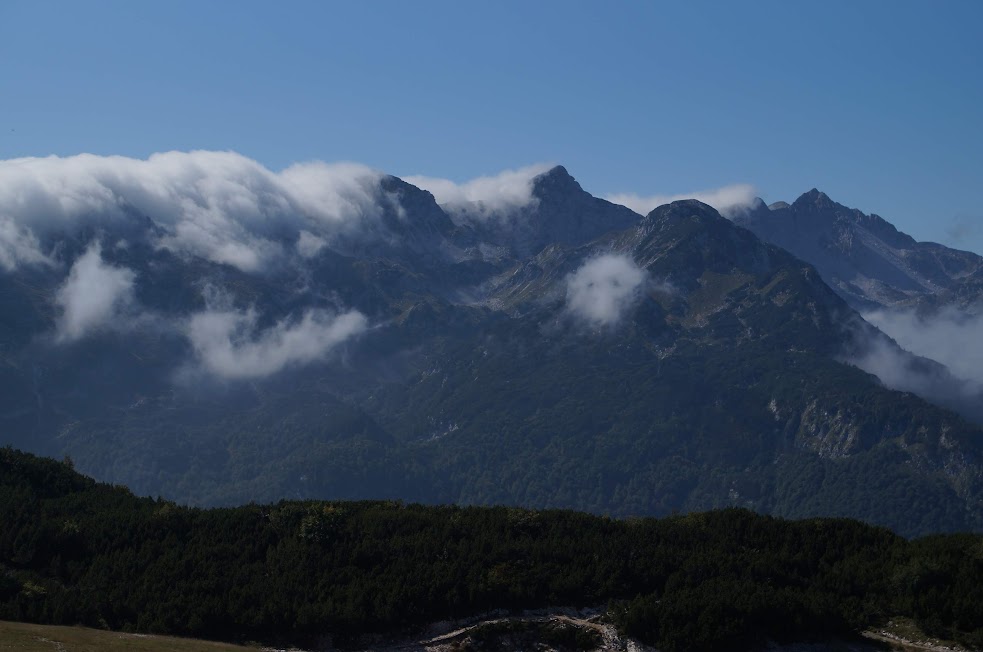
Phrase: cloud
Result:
[216,205]
[18,246]
[726,199]
[949,336]
[93,297]
[895,367]
[936,357]
[309,244]
[229,344]
[484,197]
[603,288]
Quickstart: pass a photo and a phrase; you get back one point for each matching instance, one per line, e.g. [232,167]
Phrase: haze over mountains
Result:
[197,326]
[926,296]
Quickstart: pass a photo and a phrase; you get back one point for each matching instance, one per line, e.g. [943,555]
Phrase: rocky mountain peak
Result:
[868,261]
[815,200]
[562,213]
[555,181]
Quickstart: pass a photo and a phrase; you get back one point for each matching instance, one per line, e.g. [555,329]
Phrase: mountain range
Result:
[865,258]
[221,334]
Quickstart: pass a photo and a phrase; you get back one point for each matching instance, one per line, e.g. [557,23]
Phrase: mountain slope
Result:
[559,211]
[924,295]
[719,387]
[864,258]
[568,353]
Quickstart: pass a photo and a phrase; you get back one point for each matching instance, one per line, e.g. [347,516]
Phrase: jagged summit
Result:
[863,256]
[814,199]
[562,213]
[556,180]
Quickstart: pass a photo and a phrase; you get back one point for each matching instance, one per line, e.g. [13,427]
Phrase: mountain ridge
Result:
[561,352]
[865,258]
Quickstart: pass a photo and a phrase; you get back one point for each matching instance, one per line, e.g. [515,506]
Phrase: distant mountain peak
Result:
[865,258]
[778,205]
[814,198]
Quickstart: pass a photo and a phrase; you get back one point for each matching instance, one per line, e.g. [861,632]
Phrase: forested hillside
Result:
[76,551]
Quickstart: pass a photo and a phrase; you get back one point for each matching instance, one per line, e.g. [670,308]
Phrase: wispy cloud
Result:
[937,357]
[726,199]
[948,336]
[602,290]
[93,297]
[484,197]
[229,343]
[308,244]
[18,246]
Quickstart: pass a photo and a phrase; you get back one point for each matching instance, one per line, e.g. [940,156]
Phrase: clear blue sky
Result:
[880,104]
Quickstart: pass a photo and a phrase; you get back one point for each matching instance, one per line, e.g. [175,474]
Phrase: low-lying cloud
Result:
[726,200]
[94,297]
[491,196]
[18,246]
[949,336]
[602,290]
[936,357]
[220,206]
[229,344]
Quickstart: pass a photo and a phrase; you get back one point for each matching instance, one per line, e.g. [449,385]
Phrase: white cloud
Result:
[935,357]
[950,337]
[18,246]
[726,199]
[218,205]
[309,244]
[93,296]
[228,344]
[484,197]
[894,367]
[603,289]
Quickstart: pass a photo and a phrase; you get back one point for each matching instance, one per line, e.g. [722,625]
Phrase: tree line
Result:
[74,551]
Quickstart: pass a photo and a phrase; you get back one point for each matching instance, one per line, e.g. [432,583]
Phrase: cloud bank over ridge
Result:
[228,209]
[726,199]
[220,206]
[483,197]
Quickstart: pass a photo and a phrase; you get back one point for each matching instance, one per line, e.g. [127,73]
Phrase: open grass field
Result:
[46,638]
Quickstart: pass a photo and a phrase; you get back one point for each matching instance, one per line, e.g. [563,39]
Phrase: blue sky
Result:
[876,103]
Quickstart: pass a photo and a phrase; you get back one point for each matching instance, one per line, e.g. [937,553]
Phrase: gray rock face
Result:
[866,259]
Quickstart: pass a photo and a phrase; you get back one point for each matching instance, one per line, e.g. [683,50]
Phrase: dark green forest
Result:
[74,551]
